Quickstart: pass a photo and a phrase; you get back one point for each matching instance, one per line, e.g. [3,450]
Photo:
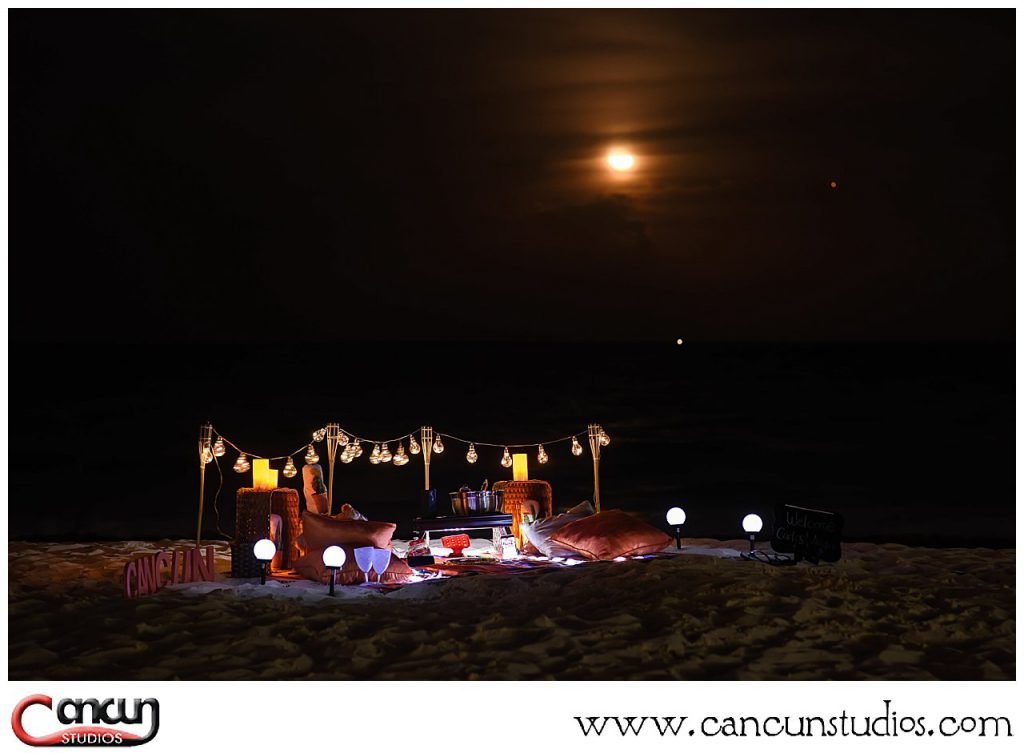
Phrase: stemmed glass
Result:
[381,560]
[364,561]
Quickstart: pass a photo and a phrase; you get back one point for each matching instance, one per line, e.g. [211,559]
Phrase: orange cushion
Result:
[311,565]
[611,534]
[321,531]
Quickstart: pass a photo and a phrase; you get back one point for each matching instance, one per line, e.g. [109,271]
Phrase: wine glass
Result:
[381,560]
[364,560]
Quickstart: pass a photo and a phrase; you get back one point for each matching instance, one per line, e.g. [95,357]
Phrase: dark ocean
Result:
[911,442]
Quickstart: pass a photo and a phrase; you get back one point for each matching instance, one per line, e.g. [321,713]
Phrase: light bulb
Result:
[207,455]
[241,464]
[334,556]
[218,448]
[289,470]
[471,455]
[345,457]
[264,550]
[343,439]
[438,445]
[319,434]
[358,452]
[577,448]
[385,455]
[311,456]
[605,439]
[400,457]
[752,523]
[675,516]
[542,456]
[506,459]
[414,446]
[375,455]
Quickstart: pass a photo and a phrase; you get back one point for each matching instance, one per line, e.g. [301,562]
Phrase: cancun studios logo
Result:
[71,713]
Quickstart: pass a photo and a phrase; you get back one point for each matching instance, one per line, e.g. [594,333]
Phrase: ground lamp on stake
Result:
[334,558]
[264,551]
[752,525]
[676,516]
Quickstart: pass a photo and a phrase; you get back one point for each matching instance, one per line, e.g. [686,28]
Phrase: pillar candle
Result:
[260,473]
[519,470]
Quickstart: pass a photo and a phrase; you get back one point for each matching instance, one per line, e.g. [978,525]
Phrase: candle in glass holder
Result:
[519,470]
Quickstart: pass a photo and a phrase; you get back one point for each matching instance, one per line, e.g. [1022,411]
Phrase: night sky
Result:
[441,175]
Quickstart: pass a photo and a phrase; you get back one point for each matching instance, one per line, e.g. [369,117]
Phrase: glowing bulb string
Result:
[400,438]
[510,446]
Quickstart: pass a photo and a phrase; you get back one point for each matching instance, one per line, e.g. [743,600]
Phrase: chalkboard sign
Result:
[807,534]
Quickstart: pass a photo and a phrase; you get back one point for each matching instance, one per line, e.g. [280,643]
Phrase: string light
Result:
[352,448]
[241,464]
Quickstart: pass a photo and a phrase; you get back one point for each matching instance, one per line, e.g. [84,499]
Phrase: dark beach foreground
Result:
[884,612]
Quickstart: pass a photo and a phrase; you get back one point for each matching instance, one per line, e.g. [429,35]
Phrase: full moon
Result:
[620,161]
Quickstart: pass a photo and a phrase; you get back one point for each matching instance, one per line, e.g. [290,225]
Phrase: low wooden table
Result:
[498,523]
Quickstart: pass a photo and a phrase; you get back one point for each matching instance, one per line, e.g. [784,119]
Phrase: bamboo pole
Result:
[594,436]
[333,432]
[426,446]
[205,435]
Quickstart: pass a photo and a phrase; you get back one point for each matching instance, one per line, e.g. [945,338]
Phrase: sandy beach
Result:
[883,612]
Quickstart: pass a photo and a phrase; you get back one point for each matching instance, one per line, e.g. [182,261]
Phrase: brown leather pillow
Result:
[321,531]
[311,565]
[611,534]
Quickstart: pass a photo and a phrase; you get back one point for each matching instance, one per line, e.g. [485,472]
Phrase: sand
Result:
[883,612]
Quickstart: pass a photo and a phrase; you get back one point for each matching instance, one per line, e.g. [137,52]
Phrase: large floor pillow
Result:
[311,566]
[610,534]
[321,531]
[539,532]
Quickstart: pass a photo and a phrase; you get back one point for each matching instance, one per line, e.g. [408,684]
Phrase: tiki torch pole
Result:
[427,445]
[205,456]
[333,435]
[594,435]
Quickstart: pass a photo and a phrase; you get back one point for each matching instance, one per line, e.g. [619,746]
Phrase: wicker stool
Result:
[515,497]
[252,523]
[285,502]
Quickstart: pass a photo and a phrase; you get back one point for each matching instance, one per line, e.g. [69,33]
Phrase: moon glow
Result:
[620,161]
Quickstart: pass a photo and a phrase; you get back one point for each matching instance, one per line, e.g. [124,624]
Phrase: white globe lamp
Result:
[334,558]
[264,550]
[675,517]
[752,525]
